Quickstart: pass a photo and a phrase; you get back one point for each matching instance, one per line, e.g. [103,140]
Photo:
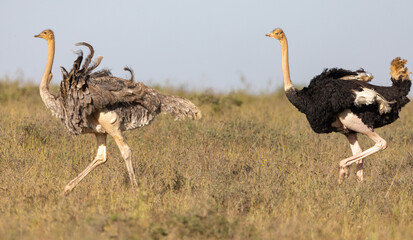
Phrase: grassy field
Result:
[250,169]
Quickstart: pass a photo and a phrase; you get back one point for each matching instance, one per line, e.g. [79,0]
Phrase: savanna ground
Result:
[250,169]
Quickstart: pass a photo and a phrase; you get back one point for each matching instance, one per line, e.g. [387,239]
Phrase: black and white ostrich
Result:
[339,100]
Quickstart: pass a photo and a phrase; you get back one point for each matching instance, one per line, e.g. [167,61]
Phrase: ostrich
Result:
[341,101]
[99,103]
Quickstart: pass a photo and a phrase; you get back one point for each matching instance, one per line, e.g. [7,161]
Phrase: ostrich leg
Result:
[359,167]
[101,157]
[356,149]
[110,122]
[354,123]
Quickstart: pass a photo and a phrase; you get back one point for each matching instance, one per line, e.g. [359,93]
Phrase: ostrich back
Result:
[327,96]
[83,93]
[395,94]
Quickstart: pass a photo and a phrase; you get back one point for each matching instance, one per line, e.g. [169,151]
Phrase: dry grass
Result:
[250,169]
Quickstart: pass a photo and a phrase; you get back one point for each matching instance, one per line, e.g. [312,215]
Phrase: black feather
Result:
[327,96]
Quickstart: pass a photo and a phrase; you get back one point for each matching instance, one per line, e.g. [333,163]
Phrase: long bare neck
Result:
[44,84]
[285,65]
[48,98]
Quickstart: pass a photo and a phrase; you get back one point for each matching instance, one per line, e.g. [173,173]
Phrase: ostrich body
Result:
[99,103]
[342,101]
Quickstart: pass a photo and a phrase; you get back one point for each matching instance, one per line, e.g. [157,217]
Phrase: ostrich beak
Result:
[37,36]
[268,35]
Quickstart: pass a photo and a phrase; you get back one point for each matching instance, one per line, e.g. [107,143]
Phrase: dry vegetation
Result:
[250,169]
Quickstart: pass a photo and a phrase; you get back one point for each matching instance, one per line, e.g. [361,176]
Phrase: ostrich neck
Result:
[285,65]
[44,84]
[48,98]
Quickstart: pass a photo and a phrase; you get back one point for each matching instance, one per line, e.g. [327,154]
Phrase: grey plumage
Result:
[132,77]
[99,103]
[83,92]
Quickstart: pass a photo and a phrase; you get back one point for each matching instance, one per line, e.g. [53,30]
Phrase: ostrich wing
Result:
[343,74]
[82,94]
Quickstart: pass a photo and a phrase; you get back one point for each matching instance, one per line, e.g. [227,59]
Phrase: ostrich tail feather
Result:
[398,71]
[179,107]
[400,76]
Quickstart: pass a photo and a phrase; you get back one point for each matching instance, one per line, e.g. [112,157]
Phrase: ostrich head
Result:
[277,34]
[48,35]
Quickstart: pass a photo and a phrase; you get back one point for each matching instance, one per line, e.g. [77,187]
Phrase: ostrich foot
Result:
[359,172]
[134,185]
[343,174]
[360,177]
[67,190]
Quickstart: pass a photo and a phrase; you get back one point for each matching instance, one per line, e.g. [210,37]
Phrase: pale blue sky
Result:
[209,44]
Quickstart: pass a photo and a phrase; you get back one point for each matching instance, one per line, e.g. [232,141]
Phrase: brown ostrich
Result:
[99,103]
[342,101]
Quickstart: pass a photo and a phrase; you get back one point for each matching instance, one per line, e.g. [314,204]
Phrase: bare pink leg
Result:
[352,122]
[343,173]
[101,157]
[356,149]
[110,122]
